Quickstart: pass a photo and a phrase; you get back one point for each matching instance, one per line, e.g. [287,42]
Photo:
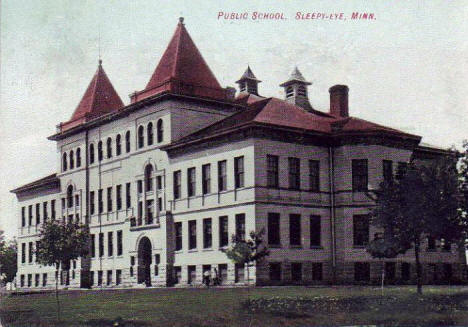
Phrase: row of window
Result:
[294,173]
[297,271]
[362,271]
[110,244]
[45,213]
[68,159]
[295,237]
[207,225]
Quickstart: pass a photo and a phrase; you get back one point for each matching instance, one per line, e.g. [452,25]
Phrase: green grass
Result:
[281,306]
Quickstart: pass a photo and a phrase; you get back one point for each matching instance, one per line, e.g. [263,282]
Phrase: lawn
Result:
[280,306]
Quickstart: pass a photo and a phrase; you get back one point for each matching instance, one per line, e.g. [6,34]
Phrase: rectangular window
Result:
[387,170]
[275,271]
[294,173]
[192,274]
[317,269]
[191,181]
[207,233]
[52,208]
[45,214]
[109,277]
[178,236]
[139,186]
[30,214]
[109,199]
[23,216]
[118,277]
[361,230]
[128,199]
[239,172]
[140,213]
[23,252]
[44,279]
[100,202]
[239,272]
[119,243]
[77,200]
[192,224]
[272,171]
[390,268]
[362,271]
[30,252]
[29,280]
[295,229]
[91,203]
[119,197]
[99,278]
[240,226]
[223,231]
[160,204]
[36,280]
[315,231]
[149,211]
[314,175]
[405,271]
[177,184]
[274,229]
[222,178]
[101,244]
[206,178]
[93,245]
[360,175]
[22,281]
[401,170]
[110,244]
[38,214]
[296,271]
[159,182]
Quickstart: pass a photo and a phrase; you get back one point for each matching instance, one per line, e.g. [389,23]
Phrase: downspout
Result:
[331,181]
[86,279]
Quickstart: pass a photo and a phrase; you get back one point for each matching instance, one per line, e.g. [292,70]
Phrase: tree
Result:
[8,260]
[422,201]
[59,244]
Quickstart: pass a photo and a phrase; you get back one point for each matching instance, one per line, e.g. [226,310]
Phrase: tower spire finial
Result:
[181,20]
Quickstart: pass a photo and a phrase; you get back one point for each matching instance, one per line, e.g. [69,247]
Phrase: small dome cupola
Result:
[248,83]
[295,90]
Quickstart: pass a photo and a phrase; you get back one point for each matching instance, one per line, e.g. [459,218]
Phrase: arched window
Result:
[302,91]
[99,150]
[289,91]
[149,178]
[64,162]
[109,147]
[91,153]
[160,130]
[118,145]
[141,137]
[70,196]
[127,141]
[149,133]
[78,157]
[72,160]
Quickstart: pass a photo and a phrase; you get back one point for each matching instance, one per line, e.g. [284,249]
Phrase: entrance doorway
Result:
[144,261]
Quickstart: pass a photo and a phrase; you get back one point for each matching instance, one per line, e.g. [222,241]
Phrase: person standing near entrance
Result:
[207,278]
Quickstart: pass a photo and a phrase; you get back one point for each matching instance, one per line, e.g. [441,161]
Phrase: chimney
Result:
[339,100]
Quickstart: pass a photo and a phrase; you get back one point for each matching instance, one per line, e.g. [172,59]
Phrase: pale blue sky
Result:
[407,69]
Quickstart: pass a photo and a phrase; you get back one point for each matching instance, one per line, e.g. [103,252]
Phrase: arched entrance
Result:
[144,261]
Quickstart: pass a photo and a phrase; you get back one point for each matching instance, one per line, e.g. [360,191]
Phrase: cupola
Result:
[248,83]
[295,90]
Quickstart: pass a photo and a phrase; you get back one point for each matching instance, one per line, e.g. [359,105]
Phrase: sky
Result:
[407,68]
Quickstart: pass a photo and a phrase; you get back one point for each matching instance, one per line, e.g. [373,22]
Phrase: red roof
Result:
[248,98]
[100,98]
[182,69]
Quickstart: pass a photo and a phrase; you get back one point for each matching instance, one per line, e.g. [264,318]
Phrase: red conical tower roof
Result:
[182,70]
[100,98]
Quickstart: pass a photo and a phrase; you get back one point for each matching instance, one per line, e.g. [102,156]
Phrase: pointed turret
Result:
[100,98]
[248,82]
[182,70]
[295,90]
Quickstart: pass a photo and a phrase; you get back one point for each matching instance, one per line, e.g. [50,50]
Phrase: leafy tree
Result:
[59,243]
[423,201]
[8,260]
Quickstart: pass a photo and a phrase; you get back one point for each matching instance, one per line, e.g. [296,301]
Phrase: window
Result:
[30,252]
[93,245]
[140,186]
[222,178]
[99,278]
[149,178]
[118,145]
[223,231]
[109,148]
[314,175]
[274,229]
[207,233]
[91,203]
[447,270]
[387,170]
[294,173]
[77,200]
[239,172]
[52,208]
[240,226]
[109,277]
[160,130]
[30,216]
[360,230]
[362,271]
[128,194]
[29,280]
[99,149]
[317,271]
[159,182]
[405,271]
[101,244]
[149,132]
[272,171]
[72,160]
[160,204]
[390,268]
[431,243]
[91,153]
[100,202]
[192,274]
[140,213]
[118,277]
[119,197]
[109,199]
[149,211]
[70,196]
[177,182]
[44,211]
[191,181]
[296,271]
[275,271]
[44,279]
[127,141]
[22,281]
[239,271]
[36,280]
[178,236]
[119,243]
[315,231]
[295,229]
[192,234]
[359,172]
[38,213]
[110,244]
[64,162]
[401,170]
[78,157]
[141,137]
[23,252]
[23,216]
[206,179]
[446,245]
